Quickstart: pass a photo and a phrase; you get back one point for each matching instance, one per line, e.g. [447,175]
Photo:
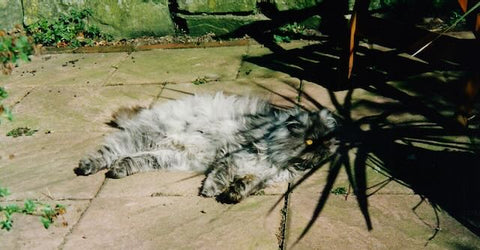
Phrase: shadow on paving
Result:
[407,125]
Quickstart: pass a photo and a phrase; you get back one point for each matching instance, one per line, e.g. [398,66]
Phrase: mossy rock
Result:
[122,19]
[10,14]
[217,6]
[133,18]
[283,5]
[199,25]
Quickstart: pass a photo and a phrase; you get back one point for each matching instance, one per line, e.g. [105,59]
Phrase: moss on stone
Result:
[216,6]
[123,19]
[283,5]
[133,18]
[10,14]
[218,24]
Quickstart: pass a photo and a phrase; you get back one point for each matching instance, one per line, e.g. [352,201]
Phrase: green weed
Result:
[4,111]
[294,28]
[200,81]
[281,39]
[46,212]
[16,132]
[339,191]
[285,33]
[14,45]
[67,30]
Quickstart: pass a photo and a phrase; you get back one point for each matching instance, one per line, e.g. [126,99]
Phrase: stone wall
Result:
[134,18]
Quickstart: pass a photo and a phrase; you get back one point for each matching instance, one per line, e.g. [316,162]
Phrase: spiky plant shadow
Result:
[437,160]
[405,121]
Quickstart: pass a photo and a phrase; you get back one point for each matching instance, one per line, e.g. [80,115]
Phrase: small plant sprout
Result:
[46,212]
[339,191]
[26,131]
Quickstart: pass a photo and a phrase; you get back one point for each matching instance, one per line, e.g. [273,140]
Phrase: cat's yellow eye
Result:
[309,142]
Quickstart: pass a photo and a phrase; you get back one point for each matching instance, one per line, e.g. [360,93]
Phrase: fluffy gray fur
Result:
[243,144]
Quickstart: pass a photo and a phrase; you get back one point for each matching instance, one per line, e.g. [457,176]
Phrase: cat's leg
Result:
[218,180]
[243,186]
[97,161]
[247,184]
[143,162]
[228,182]
[119,144]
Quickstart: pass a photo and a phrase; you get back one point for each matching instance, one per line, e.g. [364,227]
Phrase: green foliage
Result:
[285,33]
[4,192]
[46,213]
[281,39]
[67,30]
[294,28]
[339,191]
[14,45]
[29,207]
[3,93]
[16,132]
[4,111]
[200,81]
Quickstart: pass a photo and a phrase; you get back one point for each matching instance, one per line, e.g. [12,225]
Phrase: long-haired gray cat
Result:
[243,144]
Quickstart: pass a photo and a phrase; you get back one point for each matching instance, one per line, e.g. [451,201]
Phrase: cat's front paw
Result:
[240,188]
[230,197]
[85,167]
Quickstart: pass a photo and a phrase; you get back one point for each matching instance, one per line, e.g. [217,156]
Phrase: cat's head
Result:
[319,133]
[314,137]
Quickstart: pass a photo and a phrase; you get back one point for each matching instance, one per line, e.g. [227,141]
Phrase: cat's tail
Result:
[124,114]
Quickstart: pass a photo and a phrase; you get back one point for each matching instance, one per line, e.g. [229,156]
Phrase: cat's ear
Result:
[298,122]
[327,118]
[293,124]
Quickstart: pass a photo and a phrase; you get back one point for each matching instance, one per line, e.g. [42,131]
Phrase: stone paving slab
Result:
[41,166]
[395,226]
[66,69]
[237,87]
[29,233]
[80,108]
[179,65]
[250,70]
[176,223]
